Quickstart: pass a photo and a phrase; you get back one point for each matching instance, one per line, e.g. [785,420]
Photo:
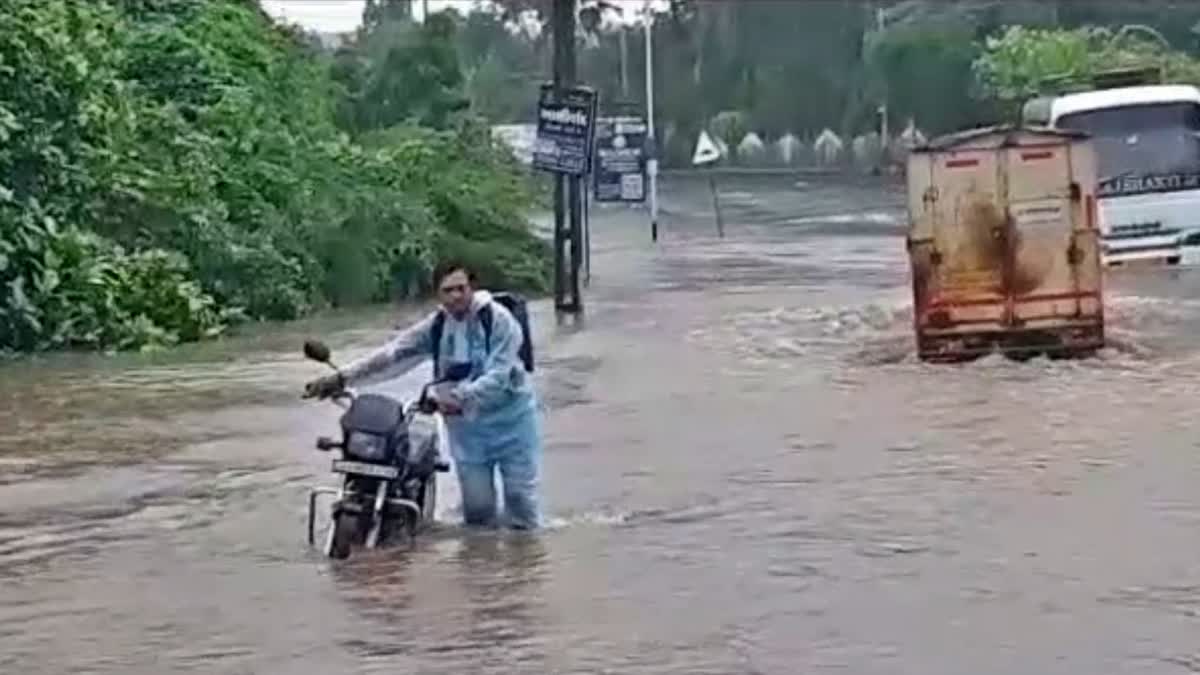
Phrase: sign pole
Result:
[576,196]
[565,130]
[587,240]
[707,153]
[564,76]
[560,242]
[712,186]
[567,242]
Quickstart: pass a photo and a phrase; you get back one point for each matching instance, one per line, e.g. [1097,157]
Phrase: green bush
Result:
[64,287]
[193,152]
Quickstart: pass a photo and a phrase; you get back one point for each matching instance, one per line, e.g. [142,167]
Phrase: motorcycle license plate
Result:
[364,469]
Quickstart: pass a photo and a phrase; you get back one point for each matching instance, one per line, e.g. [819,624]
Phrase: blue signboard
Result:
[620,162]
[565,128]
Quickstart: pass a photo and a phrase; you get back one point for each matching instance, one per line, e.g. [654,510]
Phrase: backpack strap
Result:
[435,339]
[486,317]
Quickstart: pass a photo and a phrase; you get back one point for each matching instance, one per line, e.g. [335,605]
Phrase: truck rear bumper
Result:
[950,345]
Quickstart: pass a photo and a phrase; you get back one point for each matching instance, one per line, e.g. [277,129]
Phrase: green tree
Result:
[1021,61]
[923,70]
[378,12]
[501,67]
[169,166]
[400,71]
[805,66]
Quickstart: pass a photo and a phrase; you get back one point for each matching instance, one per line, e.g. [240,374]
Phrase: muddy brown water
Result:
[746,472]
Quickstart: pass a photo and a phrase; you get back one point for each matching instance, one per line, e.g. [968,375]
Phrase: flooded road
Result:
[747,471]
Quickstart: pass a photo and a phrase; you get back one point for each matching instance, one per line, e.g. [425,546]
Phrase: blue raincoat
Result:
[500,428]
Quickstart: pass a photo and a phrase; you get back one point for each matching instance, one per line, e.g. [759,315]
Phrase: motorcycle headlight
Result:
[367,447]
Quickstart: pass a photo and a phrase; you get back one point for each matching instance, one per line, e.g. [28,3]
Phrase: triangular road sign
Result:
[706,150]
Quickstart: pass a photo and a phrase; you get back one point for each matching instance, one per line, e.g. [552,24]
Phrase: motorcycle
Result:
[389,485]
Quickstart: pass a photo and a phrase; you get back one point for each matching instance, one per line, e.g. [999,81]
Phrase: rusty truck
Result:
[1003,244]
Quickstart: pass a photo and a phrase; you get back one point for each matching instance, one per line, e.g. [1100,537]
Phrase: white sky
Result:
[338,16]
[341,16]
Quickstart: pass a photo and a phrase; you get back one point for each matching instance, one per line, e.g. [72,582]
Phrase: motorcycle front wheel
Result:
[346,532]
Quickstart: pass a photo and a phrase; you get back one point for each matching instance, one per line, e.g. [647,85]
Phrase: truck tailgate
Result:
[1002,235]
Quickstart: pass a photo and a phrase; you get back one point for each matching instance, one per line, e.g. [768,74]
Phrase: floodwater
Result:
[747,471]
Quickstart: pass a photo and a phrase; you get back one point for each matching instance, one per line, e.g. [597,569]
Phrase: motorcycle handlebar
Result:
[337,397]
[343,397]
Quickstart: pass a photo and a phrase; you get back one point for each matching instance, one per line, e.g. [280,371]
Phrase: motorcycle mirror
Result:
[317,351]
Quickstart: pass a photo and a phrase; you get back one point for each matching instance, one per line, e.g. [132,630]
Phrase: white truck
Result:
[1003,245]
[1147,143]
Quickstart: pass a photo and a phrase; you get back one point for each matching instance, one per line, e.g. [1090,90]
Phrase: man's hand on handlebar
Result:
[325,387]
[444,402]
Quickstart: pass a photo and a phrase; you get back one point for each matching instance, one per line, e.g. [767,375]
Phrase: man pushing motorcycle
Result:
[481,348]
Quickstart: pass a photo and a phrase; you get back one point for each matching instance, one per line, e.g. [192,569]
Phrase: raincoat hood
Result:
[479,300]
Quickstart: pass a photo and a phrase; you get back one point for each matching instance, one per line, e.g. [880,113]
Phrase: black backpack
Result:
[515,304]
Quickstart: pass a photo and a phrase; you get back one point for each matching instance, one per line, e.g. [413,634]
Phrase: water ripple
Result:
[747,470]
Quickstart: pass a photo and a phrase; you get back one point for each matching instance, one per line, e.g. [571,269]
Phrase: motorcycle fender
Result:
[347,506]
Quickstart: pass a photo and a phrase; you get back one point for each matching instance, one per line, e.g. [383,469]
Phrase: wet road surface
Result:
[747,471]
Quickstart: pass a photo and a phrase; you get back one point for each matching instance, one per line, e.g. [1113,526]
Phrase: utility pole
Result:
[651,143]
[624,64]
[884,131]
[568,243]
